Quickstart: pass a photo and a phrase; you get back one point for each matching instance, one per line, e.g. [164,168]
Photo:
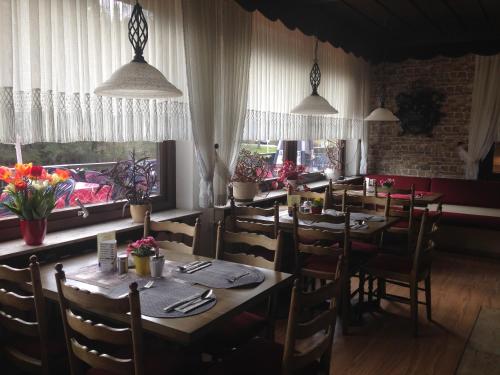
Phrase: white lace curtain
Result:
[279,79]
[55,52]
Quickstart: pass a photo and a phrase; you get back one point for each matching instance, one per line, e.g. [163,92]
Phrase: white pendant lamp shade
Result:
[138,79]
[381,114]
[314,104]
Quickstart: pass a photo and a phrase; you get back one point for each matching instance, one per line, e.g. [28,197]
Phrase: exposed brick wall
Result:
[436,156]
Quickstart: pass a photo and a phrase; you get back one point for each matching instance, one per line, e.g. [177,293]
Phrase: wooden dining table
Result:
[183,330]
[367,232]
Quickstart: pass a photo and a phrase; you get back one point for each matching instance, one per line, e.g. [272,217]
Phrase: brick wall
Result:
[420,155]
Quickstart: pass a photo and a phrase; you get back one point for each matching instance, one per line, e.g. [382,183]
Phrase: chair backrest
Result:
[318,239]
[249,241]
[403,208]
[316,331]
[95,334]
[174,228]
[240,219]
[24,314]
[392,190]
[342,187]
[367,204]
[425,241]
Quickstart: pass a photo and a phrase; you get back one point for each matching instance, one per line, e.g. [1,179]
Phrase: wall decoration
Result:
[419,109]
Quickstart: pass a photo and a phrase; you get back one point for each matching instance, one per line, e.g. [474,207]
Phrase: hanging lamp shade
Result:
[314,104]
[138,79]
[382,114]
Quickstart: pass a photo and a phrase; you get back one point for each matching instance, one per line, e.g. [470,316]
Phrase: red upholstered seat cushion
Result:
[257,357]
[466,220]
[468,192]
[238,330]
[404,182]
[364,247]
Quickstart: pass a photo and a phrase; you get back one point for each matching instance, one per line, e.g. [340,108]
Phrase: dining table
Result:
[183,330]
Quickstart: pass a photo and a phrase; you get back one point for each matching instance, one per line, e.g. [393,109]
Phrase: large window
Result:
[87,163]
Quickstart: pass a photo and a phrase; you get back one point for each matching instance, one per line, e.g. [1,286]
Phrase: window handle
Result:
[83,212]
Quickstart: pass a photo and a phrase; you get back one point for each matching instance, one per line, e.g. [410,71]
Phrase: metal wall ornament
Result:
[314,104]
[419,109]
[138,79]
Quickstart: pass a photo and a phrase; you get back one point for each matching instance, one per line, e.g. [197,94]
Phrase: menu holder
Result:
[106,251]
[292,199]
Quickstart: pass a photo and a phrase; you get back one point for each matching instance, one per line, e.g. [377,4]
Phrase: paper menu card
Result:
[293,200]
[106,251]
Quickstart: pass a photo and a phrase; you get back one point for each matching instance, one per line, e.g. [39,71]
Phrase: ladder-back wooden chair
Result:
[177,230]
[408,271]
[247,324]
[23,318]
[308,340]
[243,219]
[338,190]
[96,334]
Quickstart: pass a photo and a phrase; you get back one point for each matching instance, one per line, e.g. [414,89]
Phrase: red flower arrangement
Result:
[251,167]
[387,183]
[31,190]
[143,248]
[290,171]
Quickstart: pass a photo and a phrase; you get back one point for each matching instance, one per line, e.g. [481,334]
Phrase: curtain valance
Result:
[54,53]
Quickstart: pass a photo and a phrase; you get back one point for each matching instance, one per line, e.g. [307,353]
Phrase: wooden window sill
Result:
[17,247]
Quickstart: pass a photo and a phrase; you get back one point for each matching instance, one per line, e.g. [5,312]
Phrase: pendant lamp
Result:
[381,114]
[314,104]
[138,79]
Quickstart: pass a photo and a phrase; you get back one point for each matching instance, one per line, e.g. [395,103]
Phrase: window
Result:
[86,162]
[272,151]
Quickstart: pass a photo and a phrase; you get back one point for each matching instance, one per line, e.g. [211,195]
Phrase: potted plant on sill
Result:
[334,155]
[141,251]
[317,206]
[251,169]
[290,172]
[31,194]
[133,180]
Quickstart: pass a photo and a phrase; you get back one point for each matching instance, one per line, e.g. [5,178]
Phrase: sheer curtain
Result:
[55,52]
[279,79]
[217,42]
[485,113]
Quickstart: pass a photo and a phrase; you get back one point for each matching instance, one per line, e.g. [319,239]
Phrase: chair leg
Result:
[414,306]
[345,304]
[380,289]
[370,289]
[428,300]
[361,294]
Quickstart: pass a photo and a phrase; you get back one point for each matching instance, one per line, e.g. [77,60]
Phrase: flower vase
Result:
[142,266]
[244,191]
[33,231]
[138,212]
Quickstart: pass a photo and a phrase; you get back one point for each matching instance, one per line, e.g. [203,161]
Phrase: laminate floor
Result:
[384,344]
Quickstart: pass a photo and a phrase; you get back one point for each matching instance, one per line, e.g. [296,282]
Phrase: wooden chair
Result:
[174,229]
[247,324]
[366,204]
[75,327]
[239,221]
[308,340]
[408,271]
[23,318]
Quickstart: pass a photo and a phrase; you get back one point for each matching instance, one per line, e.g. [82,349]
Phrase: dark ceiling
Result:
[392,30]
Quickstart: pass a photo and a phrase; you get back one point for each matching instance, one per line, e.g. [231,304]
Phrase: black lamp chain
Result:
[138,32]
[315,75]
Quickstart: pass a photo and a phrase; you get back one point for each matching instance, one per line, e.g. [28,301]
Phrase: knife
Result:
[195,305]
[200,267]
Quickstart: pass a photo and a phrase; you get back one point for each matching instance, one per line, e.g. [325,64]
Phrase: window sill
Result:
[17,247]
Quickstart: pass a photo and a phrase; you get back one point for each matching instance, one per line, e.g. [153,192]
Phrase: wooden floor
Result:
[384,344]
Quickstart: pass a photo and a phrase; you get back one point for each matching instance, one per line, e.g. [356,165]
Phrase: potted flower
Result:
[251,169]
[290,172]
[32,193]
[141,251]
[334,156]
[387,183]
[317,206]
[133,180]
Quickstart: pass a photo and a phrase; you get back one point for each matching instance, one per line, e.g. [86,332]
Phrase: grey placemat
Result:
[218,275]
[164,292]
[94,276]
[357,215]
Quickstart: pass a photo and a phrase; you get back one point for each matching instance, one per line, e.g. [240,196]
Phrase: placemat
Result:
[94,276]
[357,215]
[164,292]
[219,275]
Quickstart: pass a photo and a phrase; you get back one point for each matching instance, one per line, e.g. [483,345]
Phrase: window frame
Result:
[68,218]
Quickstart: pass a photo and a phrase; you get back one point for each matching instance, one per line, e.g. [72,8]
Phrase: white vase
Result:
[245,191]
[138,211]
[332,174]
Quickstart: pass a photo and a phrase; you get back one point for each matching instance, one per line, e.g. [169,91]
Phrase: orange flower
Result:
[63,174]
[5,174]
[20,185]
[23,170]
